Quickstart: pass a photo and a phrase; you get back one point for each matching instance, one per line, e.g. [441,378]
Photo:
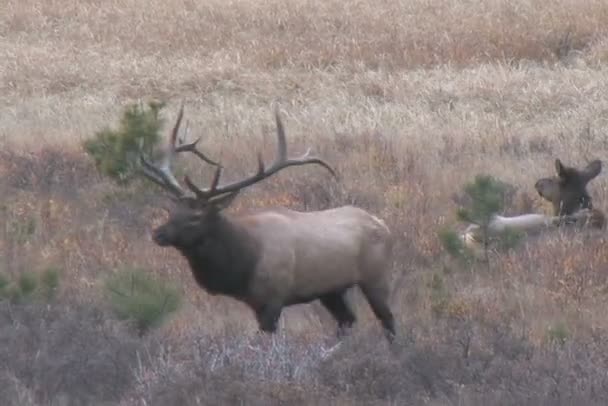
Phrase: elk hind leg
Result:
[377,295]
[268,317]
[335,303]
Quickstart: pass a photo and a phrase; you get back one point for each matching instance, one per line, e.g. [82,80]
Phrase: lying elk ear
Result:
[223,201]
[592,170]
[547,188]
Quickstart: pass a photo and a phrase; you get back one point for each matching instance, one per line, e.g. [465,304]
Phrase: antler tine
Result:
[281,161]
[208,193]
[191,147]
[281,140]
[167,159]
[186,133]
[173,139]
[306,158]
[163,178]
[162,174]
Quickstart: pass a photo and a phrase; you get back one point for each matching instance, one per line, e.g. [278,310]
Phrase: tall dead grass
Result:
[408,100]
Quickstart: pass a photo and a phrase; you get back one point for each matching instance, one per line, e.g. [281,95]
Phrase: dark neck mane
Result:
[224,262]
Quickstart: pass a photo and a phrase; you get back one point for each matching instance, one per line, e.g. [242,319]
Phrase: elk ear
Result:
[559,168]
[223,201]
[592,170]
[546,188]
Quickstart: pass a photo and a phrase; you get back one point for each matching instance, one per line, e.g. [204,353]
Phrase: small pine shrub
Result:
[454,245]
[4,284]
[137,297]
[21,230]
[481,200]
[49,282]
[558,333]
[116,152]
[485,197]
[28,286]
[27,283]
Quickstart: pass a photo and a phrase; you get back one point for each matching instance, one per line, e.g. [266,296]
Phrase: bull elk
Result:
[275,258]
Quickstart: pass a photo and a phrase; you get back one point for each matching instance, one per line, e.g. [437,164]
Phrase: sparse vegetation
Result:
[49,280]
[484,197]
[116,152]
[142,299]
[21,230]
[558,333]
[481,200]
[408,101]
[30,285]
[454,245]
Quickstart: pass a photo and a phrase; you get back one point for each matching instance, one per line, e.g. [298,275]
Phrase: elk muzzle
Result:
[161,237]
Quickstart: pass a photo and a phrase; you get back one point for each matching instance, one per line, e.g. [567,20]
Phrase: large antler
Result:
[281,162]
[162,174]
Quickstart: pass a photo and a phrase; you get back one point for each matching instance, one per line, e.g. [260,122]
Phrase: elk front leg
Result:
[335,303]
[376,294]
[268,317]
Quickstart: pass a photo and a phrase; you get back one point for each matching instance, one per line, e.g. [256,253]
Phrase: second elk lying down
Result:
[567,191]
[275,258]
[572,206]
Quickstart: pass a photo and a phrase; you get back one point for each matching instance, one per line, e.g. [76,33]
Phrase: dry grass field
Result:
[408,99]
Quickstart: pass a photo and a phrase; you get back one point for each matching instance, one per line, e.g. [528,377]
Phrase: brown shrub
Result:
[63,353]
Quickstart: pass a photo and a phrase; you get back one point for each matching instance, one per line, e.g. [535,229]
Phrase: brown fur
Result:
[279,258]
[567,191]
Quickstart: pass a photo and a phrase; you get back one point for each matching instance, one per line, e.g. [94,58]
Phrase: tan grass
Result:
[408,99]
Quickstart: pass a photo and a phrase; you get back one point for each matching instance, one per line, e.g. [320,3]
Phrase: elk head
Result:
[197,215]
[567,191]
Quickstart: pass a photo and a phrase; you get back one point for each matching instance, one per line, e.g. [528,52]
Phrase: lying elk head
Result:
[567,191]
[271,259]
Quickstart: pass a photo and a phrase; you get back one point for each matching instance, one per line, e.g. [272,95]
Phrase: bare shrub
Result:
[139,298]
[63,353]
[455,362]
[55,172]
[464,361]
[255,370]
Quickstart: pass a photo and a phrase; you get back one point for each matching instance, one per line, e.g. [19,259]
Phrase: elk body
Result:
[531,224]
[275,258]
